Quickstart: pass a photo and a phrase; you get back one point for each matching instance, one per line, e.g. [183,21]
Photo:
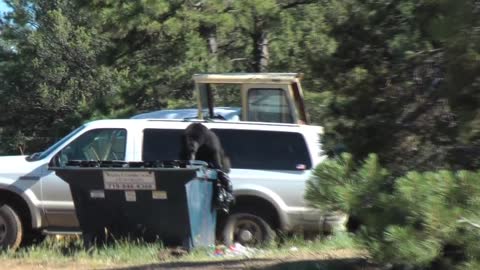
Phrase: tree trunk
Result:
[260,47]
[210,34]
[212,42]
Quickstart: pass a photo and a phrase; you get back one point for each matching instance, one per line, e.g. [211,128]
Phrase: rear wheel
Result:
[11,230]
[248,230]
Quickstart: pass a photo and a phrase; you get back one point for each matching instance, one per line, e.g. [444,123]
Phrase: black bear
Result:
[200,143]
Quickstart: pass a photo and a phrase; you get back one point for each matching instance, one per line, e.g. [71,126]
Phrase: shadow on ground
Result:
[335,264]
[264,264]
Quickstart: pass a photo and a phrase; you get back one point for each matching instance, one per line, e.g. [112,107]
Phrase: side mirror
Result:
[60,159]
[55,161]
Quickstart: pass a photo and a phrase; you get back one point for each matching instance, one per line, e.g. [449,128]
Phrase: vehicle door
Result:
[95,144]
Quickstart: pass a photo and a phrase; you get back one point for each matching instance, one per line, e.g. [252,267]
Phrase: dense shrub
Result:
[424,220]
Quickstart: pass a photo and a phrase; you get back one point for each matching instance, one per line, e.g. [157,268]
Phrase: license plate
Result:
[129,180]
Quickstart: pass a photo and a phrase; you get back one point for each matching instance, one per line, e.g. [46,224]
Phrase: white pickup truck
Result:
[270,166]
[271,163]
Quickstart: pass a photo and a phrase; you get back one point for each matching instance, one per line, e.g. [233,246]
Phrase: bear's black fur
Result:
[200,143]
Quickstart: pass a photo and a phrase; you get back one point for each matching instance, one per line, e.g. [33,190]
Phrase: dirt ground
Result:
[331,260]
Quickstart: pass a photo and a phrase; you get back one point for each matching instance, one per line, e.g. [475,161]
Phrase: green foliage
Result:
[330,187]
[424,220]
[402,82]
[335,184]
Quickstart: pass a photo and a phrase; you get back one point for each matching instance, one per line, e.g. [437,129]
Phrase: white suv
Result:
[270,166]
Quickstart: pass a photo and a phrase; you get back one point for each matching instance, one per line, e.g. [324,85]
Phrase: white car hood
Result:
[16,165]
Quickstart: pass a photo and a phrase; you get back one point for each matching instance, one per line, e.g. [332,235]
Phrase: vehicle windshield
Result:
[41,155]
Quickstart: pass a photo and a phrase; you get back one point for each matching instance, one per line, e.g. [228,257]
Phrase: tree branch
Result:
[469,222]
[295,3]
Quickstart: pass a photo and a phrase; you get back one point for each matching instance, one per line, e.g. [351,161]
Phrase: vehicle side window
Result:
[161,144]
[265,150]
[268,105]
[98,144]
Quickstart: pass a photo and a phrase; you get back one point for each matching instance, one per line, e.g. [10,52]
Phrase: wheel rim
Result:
[3,229]
[247,232]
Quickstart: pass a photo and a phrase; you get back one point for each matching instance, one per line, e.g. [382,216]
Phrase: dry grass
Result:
[68,253]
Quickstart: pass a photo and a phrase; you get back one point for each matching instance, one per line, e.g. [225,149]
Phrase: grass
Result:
[70,250]
[55,253]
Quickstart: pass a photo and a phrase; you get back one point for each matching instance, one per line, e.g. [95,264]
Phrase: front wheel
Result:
[32,237]
[248,230]
[11,230]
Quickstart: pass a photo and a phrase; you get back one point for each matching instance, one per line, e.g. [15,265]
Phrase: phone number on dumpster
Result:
[129,180]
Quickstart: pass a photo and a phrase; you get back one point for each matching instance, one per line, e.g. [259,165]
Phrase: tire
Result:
[248,230]
[11,229]
[32,238]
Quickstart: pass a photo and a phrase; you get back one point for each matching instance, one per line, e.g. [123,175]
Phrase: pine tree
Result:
[393,84]
[53,77]
[424,220]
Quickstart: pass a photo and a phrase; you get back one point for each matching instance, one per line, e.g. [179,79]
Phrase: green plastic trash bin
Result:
[166,201]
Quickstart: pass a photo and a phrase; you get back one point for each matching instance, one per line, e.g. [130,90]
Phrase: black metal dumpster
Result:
[170,202]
